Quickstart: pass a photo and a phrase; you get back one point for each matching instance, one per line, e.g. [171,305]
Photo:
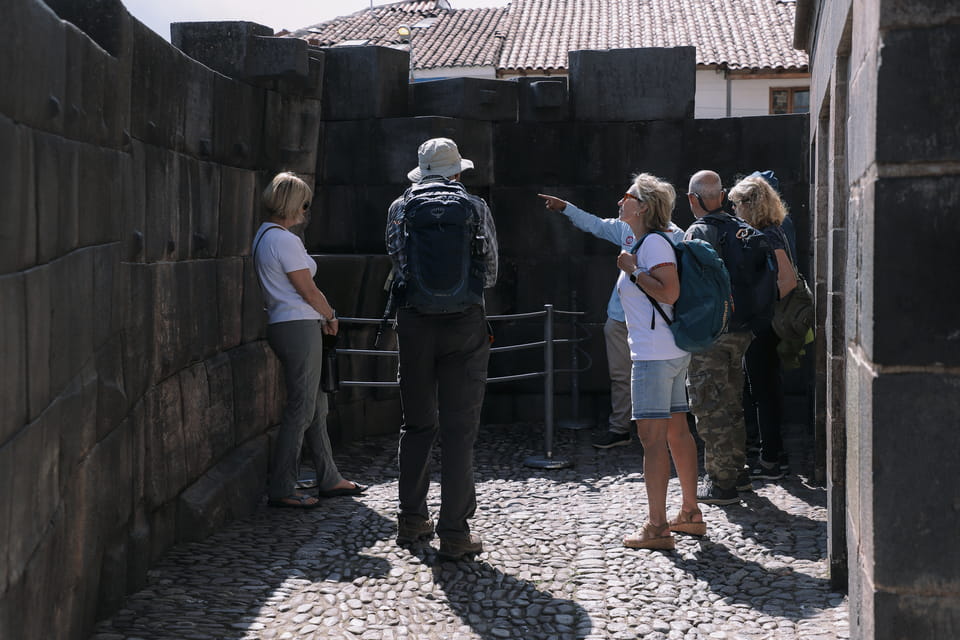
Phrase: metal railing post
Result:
[547,461]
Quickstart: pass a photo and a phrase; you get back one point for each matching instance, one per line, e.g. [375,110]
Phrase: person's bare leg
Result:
[683,448]
[656,466]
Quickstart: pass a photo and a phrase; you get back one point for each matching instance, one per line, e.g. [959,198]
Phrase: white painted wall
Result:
[454,72]
[748,96]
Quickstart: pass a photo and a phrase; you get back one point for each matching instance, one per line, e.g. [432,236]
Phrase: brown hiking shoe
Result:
[412,529]
[459,548]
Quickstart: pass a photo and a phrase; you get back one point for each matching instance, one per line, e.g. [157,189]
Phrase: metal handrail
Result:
[547,461]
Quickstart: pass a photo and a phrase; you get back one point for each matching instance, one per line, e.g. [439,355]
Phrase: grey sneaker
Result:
[610,439]
[460,548]
[412,529]
[709,493]
[766,470]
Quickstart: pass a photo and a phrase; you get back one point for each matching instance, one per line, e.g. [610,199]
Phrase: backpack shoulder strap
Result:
[653,301]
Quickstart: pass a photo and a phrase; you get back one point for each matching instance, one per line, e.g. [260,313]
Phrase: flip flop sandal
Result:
[294,502]
[355,490]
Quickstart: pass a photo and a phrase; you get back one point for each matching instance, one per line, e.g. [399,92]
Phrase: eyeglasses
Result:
[630,195]
[306,205]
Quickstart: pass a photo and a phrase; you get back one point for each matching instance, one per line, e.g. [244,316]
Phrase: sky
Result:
[278,14]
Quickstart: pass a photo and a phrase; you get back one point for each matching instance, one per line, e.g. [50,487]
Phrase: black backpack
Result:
[443,241]
[752,266]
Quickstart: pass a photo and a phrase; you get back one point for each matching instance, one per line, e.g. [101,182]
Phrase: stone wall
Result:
[137,391]
[884,136]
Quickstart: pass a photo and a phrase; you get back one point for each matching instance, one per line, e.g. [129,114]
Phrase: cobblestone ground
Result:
[553,567]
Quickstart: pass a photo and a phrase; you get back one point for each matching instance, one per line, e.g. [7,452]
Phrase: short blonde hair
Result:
[757,202]
[286,196]
[659,196]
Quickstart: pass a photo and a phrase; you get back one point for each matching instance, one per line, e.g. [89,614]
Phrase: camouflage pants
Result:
[715,387]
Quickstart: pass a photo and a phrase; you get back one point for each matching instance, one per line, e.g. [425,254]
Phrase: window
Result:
[790,100]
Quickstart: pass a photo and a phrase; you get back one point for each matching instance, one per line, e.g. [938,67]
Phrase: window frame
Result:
[791,91]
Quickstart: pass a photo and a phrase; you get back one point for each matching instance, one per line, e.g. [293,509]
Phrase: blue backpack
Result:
[445,266]
[749,259]
[703,310]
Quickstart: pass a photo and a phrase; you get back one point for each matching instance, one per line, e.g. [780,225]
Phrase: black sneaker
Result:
[766,470]
[709,493]
[411,529]
[784,463]
[612,439]
[744,481]
[460,548]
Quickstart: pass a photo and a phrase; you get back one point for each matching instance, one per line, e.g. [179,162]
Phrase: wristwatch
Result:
[636,272]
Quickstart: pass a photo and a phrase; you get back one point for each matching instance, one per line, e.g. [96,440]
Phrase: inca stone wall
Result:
[137,391]
[884,136]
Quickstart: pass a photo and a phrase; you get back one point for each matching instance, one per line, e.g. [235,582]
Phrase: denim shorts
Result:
[658,388]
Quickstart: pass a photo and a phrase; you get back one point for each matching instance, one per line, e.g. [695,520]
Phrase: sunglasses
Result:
[306,205]
[630,195]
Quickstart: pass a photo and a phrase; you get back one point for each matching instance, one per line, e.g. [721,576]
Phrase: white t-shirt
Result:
[646,343]
[279,253]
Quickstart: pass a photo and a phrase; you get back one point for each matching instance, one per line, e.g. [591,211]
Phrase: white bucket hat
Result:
[439,157]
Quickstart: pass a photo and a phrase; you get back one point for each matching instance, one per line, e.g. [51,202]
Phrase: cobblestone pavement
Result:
[553,567]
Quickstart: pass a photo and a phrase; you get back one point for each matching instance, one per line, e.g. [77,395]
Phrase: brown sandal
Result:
[651,536]
[685,523]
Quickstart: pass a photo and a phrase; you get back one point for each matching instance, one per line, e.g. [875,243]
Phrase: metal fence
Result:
[547,461]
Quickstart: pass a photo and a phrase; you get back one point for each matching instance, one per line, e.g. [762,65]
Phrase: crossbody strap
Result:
[656,305]
[255,246]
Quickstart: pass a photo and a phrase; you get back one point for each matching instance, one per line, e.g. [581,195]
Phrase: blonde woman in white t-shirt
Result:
[658,391]
[299,314]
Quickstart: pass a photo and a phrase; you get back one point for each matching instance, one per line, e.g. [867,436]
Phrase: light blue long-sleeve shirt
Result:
[617,232]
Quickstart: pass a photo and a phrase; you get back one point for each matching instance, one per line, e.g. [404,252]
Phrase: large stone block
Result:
[35,454]
[14,367]
[138,331]
[917,63]
[927,614]
[74,412]
[354,151]
[904,288]
[230,490]
[198,83]
[6,531]
[18,214]
[343,280]
[207,414]
[927,401]
[350,219]
[33,65]
[542,99]
[57,195]
[242,50]
[292,132]
[158,92]
[94,80]
[161,200]
[100,204]
[238,202]
[252,383]
[199,232]
[762,142]
[112,403]
[238,116]
[230,301]
[468,98]
[651,84]
[536,153]
[520,216]
[165,456]
[71,315]
[365,82]
[199,324]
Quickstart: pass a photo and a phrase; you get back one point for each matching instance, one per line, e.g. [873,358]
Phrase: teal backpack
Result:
[702,312]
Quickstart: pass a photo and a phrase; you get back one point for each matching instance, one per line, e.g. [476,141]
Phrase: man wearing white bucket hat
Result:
[443,244]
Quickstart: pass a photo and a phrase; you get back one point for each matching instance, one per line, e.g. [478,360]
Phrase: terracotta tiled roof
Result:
[456,38]
[734,34]
[533,36]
